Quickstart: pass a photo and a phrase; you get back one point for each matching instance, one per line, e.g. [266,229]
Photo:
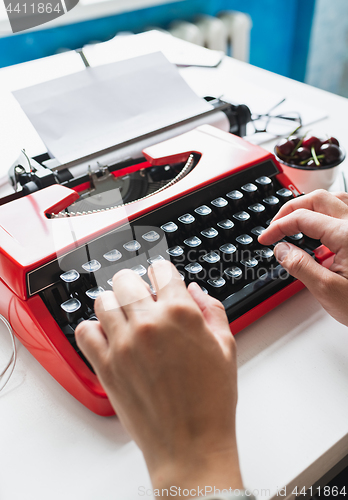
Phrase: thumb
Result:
[329,288]
[302,266]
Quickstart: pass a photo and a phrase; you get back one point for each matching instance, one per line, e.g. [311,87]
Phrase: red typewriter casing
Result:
[29,239]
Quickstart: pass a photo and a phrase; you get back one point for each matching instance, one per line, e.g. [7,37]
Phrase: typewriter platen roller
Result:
[54,259]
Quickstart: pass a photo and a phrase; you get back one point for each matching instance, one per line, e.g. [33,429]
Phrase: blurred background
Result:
[306,40]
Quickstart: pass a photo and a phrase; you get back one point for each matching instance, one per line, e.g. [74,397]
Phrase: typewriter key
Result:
[93,293]
[186,219]
[250,268]
[72,309]
[140,270]
[156,258]
[265,254]
[257,210]
[285,194]
[151,236]
[203,210]
[245,241]
[265,184]
[113,255]
[193,242]
[132,246]
[272,203]
[188,223]
[171,231]
[175,251]
[236,197]
[296,238]
[250,191]
[216,286]
[228,252]
[212,264]
[258,230]
[71,279]
[233,274]
[169,227]
[226,224]
[220,204]
[211,258]
[194,270]
[210,236]
[242,218]
[92,266]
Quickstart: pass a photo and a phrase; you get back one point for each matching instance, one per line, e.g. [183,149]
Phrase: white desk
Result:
[292,421]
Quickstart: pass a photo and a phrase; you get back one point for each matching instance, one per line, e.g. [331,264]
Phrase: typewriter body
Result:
[56,258]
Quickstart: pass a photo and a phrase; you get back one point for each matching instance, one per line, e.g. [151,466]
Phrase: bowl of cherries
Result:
[310,162]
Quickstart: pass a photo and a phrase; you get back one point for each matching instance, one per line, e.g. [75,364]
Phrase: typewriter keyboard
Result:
[210,235]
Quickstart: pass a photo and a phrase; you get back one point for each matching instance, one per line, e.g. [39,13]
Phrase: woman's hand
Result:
[322,216]
[169,369]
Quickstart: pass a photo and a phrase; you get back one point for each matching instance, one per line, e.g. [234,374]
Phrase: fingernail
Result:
[109,301]
[281,251]
[195,285]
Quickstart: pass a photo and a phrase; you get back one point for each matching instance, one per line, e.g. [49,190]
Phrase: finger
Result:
[342,196]
[318,226]
[92,341]
[166,280]
[132,293]
[329,288]
[213,311]
[110,314]
[320,201]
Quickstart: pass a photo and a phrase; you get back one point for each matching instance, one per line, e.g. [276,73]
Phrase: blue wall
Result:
[279,37]
[328,57]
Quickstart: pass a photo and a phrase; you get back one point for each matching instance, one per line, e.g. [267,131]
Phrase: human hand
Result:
[169,369]
[324,216]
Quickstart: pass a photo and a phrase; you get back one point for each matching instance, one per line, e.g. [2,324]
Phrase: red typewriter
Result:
[57,255]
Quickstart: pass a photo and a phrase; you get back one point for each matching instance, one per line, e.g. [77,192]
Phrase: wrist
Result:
[218,470]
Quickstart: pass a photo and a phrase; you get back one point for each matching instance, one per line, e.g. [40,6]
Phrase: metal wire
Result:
[6,373]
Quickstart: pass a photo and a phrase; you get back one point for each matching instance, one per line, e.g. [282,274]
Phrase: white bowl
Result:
[307,179]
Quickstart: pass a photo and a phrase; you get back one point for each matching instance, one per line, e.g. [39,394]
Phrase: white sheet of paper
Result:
[176,51]
[101,107]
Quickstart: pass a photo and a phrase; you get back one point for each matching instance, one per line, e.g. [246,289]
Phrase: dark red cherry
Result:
[303,153]
[284,148]
[332,140]
[312,141]
[331,152]
[294,139]
[311,163]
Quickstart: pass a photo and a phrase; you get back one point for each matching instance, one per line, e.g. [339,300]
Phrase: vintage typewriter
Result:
[211,196]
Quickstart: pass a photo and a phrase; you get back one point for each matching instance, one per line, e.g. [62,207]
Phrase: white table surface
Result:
[292,423]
